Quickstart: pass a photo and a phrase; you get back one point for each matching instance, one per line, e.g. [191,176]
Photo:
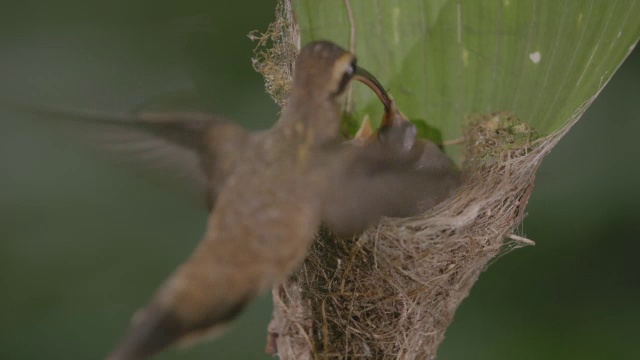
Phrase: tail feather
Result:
[156,328]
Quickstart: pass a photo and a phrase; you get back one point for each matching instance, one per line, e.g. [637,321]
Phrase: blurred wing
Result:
[375,183]
[170,144]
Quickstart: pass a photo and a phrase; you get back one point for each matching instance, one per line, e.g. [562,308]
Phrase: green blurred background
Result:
[83,243]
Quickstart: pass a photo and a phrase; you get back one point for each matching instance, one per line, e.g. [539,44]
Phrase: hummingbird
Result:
[269,191]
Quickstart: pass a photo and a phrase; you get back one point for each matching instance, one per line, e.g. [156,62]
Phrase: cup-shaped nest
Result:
[392,291]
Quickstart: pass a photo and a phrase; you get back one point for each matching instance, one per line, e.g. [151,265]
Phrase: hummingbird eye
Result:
[346,77]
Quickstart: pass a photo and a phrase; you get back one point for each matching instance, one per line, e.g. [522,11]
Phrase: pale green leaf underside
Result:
[445,59]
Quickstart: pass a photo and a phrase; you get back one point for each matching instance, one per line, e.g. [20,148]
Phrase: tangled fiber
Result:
[276,52]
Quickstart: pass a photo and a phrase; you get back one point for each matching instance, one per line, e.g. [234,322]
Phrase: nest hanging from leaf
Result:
[391,292]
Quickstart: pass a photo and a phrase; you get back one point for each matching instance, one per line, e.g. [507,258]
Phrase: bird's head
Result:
[324,70]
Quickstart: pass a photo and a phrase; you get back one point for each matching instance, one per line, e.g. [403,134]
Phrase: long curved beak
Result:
[366,78]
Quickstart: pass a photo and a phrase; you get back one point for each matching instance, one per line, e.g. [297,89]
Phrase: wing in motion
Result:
[196,149]
[388,173]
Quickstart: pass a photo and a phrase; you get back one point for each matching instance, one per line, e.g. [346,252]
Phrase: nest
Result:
[391,292]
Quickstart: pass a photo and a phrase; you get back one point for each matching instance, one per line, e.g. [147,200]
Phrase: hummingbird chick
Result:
[398,136]
[269,191]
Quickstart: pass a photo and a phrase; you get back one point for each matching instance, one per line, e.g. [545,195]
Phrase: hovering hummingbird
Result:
[269,191]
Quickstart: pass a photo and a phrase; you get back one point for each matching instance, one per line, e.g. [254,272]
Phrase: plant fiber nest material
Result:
[392,292]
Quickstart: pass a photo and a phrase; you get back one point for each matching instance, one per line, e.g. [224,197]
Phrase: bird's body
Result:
[268,193]
[265,217]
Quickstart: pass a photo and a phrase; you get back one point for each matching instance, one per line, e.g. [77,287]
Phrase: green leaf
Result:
[445,60]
